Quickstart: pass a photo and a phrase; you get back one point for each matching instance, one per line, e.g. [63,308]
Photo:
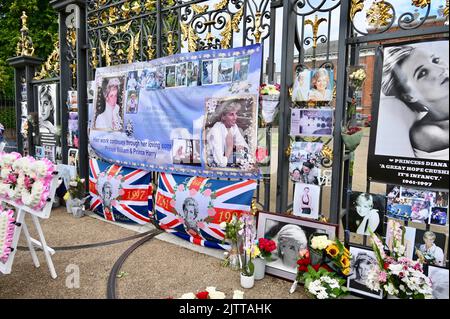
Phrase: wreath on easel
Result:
[6,233]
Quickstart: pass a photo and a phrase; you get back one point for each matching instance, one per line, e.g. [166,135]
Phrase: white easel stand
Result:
[31,242]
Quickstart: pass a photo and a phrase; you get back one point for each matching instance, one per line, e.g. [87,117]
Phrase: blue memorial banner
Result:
[193,113]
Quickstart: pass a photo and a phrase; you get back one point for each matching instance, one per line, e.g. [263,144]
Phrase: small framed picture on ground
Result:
[290,234]
[362,261]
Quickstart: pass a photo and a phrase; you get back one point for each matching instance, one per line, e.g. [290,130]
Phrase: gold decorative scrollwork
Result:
[226,35]
[237,19]
[94,61]
[51,67]
[379,14]
[198,9]
[356,6]
[150,50]
[106,52]
[446,9]
[150,5]
[315,26]
[257,33]
[421,3]
[189,34]
[221,4]
[25,44]
[133,48]
[170,43]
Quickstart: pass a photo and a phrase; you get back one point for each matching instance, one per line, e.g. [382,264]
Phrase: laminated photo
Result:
[312,122]
[306,201]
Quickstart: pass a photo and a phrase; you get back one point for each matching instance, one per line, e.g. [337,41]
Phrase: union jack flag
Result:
[212,202]
[119,193]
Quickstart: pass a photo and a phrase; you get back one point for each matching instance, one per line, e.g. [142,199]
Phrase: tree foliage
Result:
[43,29]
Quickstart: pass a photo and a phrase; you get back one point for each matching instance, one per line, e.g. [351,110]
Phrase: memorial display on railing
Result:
[409,136]
[192,113]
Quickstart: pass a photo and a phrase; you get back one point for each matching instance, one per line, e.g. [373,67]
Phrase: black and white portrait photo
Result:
[413,113]
[230,132]
[47,108]
[365,213]
[291,235]
[440,283]
[362,261]
[190,214]
[109,104]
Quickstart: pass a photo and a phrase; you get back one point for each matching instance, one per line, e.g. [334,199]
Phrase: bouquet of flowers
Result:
[270,98]
[351,136]
[251,250]
[322,284]
[396,274]
[232,230]
[266,247]
[75,196]
[357,77]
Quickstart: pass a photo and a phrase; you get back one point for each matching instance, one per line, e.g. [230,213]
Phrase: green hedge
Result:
[8,117]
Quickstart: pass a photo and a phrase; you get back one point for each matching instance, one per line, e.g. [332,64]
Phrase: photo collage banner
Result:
[311,130]
[193,113]
[409,142]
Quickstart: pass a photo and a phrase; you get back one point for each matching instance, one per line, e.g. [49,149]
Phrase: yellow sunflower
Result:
[332,250]
[346,271]
[345,261]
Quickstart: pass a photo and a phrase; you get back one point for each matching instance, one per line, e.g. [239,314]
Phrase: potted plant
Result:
[266,247]
[395,274]
[75,197]
[251,250]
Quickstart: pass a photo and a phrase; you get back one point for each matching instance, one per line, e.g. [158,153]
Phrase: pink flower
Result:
[382,276]
[401,274]
[12,178]
[113,202]
[181,220]
[119,177]
[121,192]
[207,192]
[172,202]
[192,192]
[261,154]
[181,188]
[211,212]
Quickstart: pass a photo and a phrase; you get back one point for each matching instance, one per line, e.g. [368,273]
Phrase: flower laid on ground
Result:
[211,293]
[357,78]
[266,247]
[269,89]
[352,130]
[395,274]
[76,188]
[322,284]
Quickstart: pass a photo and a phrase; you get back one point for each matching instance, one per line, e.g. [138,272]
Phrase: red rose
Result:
[202,295]
[303,268]
[386,266]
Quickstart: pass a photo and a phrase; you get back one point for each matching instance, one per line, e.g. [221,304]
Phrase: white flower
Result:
[396,269]
[322,295]
[216,295]
[210,289]
[320,242]
[223,225]
[189,295]
[73,184]
[237,294]
[40,168]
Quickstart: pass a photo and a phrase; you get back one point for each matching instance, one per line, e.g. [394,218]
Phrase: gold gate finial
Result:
[25,44]
[315,28]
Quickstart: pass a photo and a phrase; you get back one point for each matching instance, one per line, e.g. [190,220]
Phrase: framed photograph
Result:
[291,234]
[410,237]
[362,261]
[312,122]
[366,212]
[109,104]
[302,86]
[416,210]
[47,103]
[234,117]
[431,246]
[306,201]
[72,97]
[408,100]
[50,153]
[73,132]
[207,72]
[439,278]
[322,83]
[72,158]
